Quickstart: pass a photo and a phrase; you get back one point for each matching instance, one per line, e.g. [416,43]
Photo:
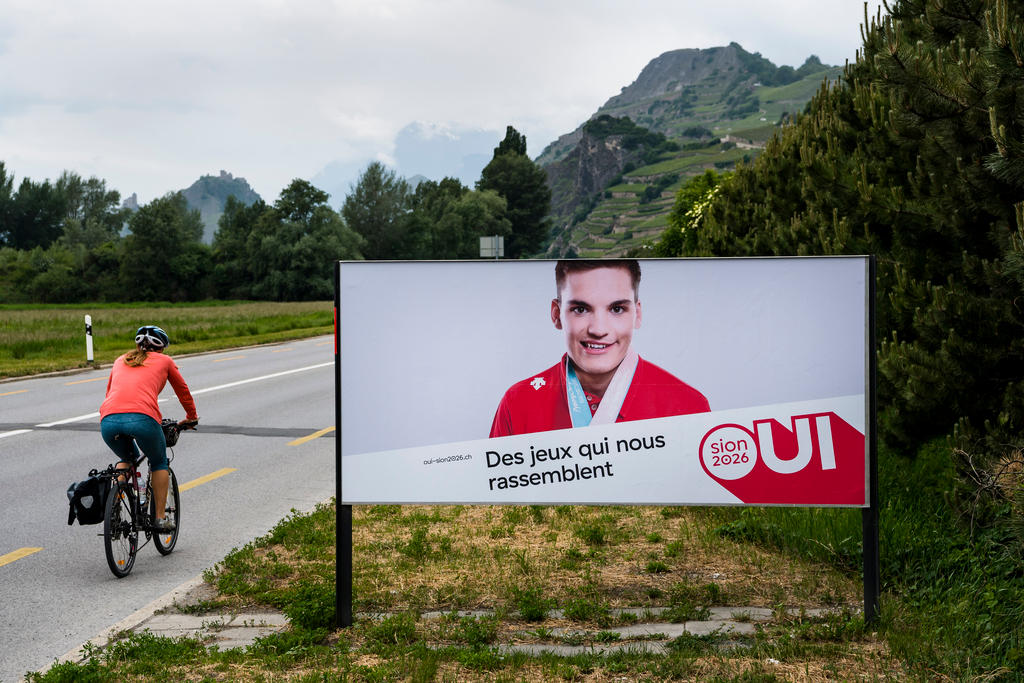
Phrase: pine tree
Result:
[523,185]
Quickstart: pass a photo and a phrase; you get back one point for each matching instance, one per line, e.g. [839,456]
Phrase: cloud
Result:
[150,96]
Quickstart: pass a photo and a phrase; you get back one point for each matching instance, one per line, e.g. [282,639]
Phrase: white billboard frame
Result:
[866,427]
[783,353]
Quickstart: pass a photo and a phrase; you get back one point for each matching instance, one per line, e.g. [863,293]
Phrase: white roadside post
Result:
[88,339]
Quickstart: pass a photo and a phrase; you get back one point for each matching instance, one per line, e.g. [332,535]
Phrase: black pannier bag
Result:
[87,498]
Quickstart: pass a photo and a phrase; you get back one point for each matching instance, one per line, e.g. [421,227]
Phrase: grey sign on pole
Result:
[492,246]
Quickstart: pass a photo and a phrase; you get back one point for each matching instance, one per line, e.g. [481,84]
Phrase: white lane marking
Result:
[90,416]
[257,379]
[68,420]
[16,431]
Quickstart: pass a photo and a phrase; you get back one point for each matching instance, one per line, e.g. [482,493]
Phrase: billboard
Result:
[669,382]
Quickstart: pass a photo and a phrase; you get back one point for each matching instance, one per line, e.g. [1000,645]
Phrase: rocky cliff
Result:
[613,178]
[606,147]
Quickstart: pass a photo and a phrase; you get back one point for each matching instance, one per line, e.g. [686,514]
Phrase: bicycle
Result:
[124,519]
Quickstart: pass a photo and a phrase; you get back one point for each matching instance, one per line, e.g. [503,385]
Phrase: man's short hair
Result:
[567,266]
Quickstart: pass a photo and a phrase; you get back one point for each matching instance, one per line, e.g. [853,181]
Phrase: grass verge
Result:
[551,576]
[46,338]
[560,576]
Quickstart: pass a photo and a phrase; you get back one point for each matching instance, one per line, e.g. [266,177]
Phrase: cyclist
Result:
[130,413]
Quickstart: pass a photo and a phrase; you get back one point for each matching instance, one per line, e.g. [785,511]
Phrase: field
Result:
[45,338]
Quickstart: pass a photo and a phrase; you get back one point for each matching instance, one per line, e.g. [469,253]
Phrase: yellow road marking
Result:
[221,360]
[314,435]
[281,350]
[207,478]
[17,555]
[325,343]
[12,393]
[83,381]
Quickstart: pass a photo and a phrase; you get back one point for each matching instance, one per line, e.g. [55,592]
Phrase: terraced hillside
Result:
[716,107]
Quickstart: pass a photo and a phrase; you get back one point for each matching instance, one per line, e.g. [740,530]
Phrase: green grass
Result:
[44,338]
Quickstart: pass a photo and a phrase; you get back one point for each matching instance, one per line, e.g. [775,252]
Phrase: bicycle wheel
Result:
[165,540]
[120,534]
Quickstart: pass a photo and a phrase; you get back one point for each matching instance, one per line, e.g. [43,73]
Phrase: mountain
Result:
[210,193]
[613,178]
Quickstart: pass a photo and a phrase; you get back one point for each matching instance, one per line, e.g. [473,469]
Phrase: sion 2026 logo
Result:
[818,459]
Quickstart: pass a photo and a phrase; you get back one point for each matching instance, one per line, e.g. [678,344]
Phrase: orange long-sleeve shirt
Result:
[136,389]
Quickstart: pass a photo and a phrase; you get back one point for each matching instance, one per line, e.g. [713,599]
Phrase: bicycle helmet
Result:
[151,338]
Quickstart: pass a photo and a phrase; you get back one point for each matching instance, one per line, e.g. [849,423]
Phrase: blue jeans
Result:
[122,430]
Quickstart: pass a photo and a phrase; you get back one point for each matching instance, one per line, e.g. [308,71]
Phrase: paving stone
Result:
[259,619]
[241,636]
[705,628]
[534,649]
[166,624]
[741,613]
[460,613]
[227,631]
[632,631]
[637,630]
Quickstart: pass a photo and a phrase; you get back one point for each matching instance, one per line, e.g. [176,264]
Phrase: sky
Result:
[150,96]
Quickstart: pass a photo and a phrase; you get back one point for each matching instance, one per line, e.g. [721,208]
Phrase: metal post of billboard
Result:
[869,515]
[343,513]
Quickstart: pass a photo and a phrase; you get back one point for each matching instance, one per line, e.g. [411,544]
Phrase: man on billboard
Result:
[600,379]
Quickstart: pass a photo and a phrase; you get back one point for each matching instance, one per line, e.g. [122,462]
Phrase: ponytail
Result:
[135,358]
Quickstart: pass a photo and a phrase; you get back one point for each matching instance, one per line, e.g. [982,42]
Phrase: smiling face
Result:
[598,311]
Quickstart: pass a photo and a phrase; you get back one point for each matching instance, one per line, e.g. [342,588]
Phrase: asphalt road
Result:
[266,430]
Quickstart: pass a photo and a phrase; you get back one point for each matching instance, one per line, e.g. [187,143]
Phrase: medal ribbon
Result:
[611,402]
[579,409]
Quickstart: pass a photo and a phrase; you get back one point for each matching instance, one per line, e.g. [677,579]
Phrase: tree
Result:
[447,220]
[164,259]
[513,143]
[92,212]
[293,246]
[34,215]
[37,214]
[691,200]
[233,275]
[523,185]
[428,205]
[376,208]
[6,205]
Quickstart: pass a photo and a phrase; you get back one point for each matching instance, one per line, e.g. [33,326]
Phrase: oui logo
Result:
[731,451]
